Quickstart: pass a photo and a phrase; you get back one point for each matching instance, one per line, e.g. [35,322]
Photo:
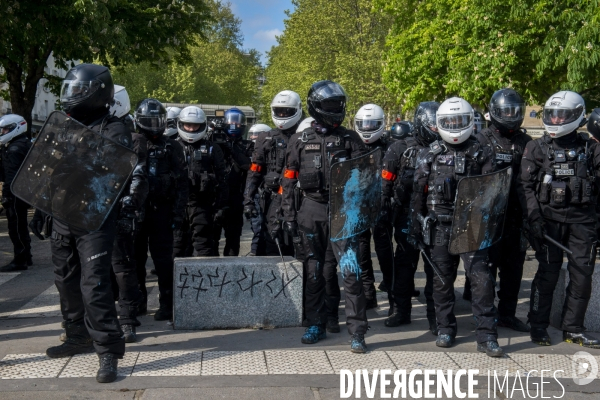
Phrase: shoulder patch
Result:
[312,146]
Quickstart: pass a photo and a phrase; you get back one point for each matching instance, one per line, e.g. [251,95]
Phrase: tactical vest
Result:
[200,162]
[566,176]
[160,178]
[317,154]
[275,146]
[448,166]
[505,156]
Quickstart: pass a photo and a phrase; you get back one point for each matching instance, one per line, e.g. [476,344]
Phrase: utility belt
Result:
[202,182]
[437,230]
[563,192]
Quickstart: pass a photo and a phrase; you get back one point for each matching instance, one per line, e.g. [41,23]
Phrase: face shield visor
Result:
[561,116]
[428,121]
[284,112]
[155,124]
[368,125]
[509,112]
[454,122]
[76,90]
[7,128]
[333,98]
[192,127]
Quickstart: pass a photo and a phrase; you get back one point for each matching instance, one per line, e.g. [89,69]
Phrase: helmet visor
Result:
[333,106]
[192,127]
[561,116]
[7,128]
[428,121]
[454,122]
[368,125]
[508,112]
[235,118]
[284,112]
[73,90]
[171,123]
[154,124]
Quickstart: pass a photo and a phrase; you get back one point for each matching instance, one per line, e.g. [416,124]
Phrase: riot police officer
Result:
[172,114]
[14,146]
[230,218]
[129,217]
[558,172]
[593,127]
[165,206]
[399,164]
[206,180]
[82,259]
[438,170]
[257,219]
[309,157]
[508,140]
[268,163]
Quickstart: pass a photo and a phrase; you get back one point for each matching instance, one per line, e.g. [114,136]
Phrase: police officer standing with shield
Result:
[14,147]
[309,158]
[558,175]
[438,172]
[266,170]
[165,207]
[82,259]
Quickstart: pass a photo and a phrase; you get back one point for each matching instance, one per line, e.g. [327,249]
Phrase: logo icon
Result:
[585,368]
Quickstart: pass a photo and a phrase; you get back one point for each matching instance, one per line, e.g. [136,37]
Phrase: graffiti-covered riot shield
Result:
[479,211]
[354,195]
[73,173]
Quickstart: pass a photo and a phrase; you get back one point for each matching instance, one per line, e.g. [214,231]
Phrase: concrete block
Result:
[592,316]
[237,292]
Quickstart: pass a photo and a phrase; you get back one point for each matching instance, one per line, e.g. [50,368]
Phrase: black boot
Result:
[129,333]
[78,341]
[383,287]
[540,336]
[108,368]
[513,323]
[416,293]
[13,266]
[444,340]
[491,348]
[397,319]
[333,326]
[165,309]
[581,339]
[371,302]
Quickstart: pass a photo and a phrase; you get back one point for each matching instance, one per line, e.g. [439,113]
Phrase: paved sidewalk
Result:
[253,364]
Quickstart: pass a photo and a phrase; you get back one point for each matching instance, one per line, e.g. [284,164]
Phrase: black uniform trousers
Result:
[156,234]
[16,216]
[82,265]
[482,286]
[124,268]
[196,235]
[399,267]
[272,219]
[580,238]
[313,222]
[258,227]
[232,227]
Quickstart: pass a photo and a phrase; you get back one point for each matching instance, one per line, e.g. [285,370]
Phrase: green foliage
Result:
[341,40]
[220,72]
[471,48]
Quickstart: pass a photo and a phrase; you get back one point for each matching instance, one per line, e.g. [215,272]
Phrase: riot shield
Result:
[479,211]
[73,173]
[354,195]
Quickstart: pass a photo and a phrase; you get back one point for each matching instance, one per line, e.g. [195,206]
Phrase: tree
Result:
[471,48]
[112,32]
[222,72]
[341,40]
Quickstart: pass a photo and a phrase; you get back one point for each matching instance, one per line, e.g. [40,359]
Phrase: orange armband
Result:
[387,175]
[290,174]
[255,167]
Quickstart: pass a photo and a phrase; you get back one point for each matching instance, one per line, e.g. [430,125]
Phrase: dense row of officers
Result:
[195,180]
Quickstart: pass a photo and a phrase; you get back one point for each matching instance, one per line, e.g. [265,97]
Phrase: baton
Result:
[557,244]
[282,260]
[433,265]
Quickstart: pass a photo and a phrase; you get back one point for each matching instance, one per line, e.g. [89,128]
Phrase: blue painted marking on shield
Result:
[102,191]
[349,263]
[361,191]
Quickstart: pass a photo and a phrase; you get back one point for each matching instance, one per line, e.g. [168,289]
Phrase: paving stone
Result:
[531,362]
[409,360]
[237,292]
[247,393]
[484,363]
[21,366]
[351,361]
[46,304]
[7,276]
[168,363]
[298,362]
[234,363]
[86,366]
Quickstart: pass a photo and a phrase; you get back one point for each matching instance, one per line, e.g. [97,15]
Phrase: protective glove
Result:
[128,205]
[220,215]
[386,208]
[276,230]
[250,212]
[291,227]
[37,224]
[536,225]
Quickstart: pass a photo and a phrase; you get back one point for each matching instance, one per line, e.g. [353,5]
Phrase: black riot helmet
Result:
[327,103]
[593,125]
[87,92]
[401,130]
[425,125]
[507,110]
[151,118]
